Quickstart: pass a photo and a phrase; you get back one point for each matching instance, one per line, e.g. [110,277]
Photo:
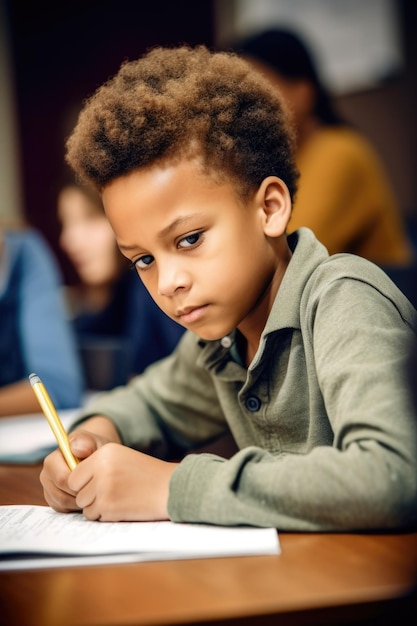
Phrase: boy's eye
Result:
[190,240]
[143,262]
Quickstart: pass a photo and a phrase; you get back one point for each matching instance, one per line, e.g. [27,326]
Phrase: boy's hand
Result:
[55,471]
[112,482]
[117,483]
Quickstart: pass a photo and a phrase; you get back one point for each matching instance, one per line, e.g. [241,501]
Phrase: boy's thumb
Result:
[83,444]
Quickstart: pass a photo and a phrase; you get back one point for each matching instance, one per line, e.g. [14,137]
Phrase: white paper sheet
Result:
[33,537]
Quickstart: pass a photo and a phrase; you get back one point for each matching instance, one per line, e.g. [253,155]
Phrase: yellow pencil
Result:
[53,420]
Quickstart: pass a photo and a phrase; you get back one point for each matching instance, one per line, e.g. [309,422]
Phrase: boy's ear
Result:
[274,200]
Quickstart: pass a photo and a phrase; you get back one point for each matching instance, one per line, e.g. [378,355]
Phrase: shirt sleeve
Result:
[169,409]
[47,340]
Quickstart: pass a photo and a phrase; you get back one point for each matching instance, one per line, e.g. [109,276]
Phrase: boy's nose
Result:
[171,278]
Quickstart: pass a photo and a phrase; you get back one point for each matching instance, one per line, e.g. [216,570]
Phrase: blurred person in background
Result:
[35,334]
[119,327]
[344,195]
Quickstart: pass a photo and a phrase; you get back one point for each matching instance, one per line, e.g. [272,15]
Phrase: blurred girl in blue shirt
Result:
[35,334]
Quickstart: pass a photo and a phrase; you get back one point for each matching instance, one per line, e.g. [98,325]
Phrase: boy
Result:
[301,355]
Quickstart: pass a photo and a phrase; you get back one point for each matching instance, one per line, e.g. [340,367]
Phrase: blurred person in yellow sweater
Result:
[344,195]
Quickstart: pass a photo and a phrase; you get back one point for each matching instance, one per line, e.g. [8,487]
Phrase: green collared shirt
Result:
[323,417]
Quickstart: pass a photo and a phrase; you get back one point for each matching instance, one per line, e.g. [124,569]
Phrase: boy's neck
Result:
[249,333]
[246,351]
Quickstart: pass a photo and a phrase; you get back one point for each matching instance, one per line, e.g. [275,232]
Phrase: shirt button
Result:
[253,403]
[226,342]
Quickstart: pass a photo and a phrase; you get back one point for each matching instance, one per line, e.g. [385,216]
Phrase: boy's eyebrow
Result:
[179,221]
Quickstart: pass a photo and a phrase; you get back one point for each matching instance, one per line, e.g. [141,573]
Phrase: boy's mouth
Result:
[191,314]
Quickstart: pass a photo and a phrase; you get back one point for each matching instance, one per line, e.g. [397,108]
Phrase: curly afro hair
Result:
[179,103]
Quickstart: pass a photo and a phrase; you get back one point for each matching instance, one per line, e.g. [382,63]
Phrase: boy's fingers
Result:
[83,444]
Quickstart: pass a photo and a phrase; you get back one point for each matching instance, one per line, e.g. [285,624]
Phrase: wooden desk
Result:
[318,579]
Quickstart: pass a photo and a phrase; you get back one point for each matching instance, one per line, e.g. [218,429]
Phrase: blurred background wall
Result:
[59,53]
[52,56]
[10,171]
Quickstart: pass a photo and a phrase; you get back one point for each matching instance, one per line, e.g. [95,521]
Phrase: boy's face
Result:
[203,255]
